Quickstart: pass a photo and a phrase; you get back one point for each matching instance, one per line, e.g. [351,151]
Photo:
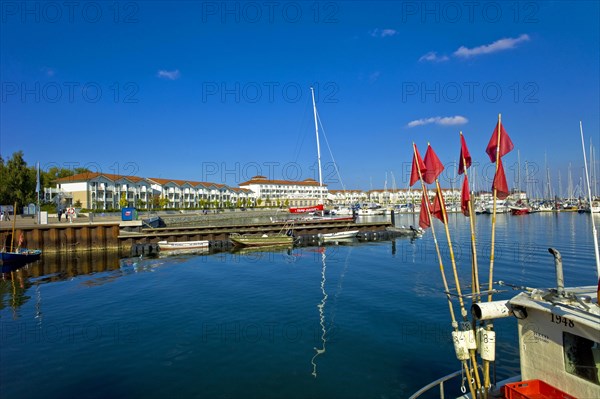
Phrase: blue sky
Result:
[219,92]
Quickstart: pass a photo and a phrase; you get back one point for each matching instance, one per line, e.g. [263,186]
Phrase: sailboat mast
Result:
[519,170]
[594,231]
[312,92]
[548,184]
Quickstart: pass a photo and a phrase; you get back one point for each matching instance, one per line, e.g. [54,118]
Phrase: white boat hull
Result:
[182,245]
[338,236]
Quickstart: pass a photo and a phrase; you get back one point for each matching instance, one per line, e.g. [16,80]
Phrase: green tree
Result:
[163,202]
[123,201]
[17,181]
[48,177]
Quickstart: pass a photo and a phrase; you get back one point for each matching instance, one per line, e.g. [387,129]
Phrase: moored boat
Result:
[20,257]
[182,245]
[519,210]
[338,235]
[307,209]
[261,240]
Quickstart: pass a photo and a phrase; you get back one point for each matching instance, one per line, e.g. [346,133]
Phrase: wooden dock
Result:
[122,236]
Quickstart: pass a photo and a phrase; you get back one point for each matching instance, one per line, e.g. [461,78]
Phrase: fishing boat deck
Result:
[580,304]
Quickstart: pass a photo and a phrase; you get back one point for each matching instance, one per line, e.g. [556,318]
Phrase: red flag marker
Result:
[438,205]
[500,184]
[464,154]
[433,165]
[417,163]
[465,197]
[424,221]
[506,144]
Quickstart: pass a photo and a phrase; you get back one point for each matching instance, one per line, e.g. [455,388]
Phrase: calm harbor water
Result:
[356,320]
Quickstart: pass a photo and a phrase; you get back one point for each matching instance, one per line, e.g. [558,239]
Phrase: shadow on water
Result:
[17,279]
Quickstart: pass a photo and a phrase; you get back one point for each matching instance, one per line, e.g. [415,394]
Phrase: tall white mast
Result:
[587,180]
[312,92]
[519,170]
[560,193]
[570,193]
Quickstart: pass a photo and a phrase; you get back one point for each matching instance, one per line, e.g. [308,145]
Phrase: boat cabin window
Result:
[582,357]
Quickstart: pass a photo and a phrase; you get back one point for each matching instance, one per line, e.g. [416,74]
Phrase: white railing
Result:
[439,382]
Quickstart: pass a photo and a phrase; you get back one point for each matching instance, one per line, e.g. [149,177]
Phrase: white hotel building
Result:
[286,192]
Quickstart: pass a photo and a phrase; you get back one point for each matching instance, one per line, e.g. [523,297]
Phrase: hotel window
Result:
[582,357]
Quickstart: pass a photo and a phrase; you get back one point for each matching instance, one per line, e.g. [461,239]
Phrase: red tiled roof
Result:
[240,190]
[92,175]
[193,183]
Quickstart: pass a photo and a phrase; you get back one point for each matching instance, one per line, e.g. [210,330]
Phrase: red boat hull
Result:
[519,211]
[307,209]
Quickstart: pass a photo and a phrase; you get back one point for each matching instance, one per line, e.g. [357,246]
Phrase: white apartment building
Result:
[104,191]
[286,192]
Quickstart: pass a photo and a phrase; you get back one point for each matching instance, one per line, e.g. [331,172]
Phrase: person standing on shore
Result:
[59,214]
[2,216]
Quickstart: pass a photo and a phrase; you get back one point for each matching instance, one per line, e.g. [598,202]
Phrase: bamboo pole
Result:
[495,194]
[463,311]
[490,326]
[441,264]
[437,247]
[474,266]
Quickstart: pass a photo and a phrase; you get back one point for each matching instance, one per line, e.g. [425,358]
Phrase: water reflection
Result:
[17,280]
[325,329]
[321,307]
[13,287]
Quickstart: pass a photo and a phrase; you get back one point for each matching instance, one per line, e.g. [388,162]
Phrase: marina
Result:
[242,200]
[247,324]
[119,236]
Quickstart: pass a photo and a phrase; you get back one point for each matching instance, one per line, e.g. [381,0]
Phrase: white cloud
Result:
[170,75]
[384,32]
[433,57]
[439,120]
[498,45]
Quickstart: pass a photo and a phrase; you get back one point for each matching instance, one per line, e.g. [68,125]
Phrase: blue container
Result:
[128,214]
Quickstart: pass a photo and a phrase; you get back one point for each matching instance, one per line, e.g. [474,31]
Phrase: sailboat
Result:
[319,209]
[17,256]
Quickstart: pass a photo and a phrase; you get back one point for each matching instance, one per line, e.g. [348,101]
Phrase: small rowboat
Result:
[21,257]
[261,240]
[179,245]
[338,236]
